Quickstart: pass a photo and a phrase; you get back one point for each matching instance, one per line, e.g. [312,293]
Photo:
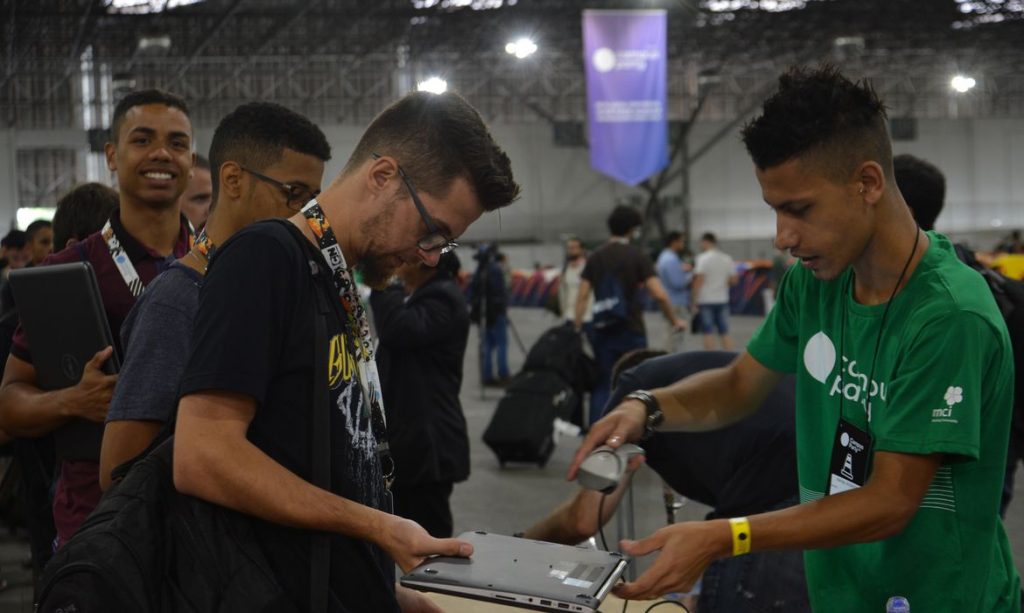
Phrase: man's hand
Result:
[411,601]
[409,544]
[624,424]
[90,397]
[686,551]
[680,325]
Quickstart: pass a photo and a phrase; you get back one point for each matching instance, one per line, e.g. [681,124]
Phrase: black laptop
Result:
[62,314]
[522,573]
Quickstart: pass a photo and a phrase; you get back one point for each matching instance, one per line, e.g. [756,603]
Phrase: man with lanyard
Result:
[904,377]
[151,151]
[270,162]
[424,170]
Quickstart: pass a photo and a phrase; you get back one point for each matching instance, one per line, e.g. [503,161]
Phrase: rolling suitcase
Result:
[522,427]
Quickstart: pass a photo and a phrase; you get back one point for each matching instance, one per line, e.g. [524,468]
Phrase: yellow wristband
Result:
[740,535]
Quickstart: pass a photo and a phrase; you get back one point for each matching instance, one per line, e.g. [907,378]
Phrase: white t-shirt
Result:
[716,267]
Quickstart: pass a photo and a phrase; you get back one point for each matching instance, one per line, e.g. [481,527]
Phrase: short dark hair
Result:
[923,187]
[141,98]
[672,237]
[438,138]
[256,134]
[81,212]
[15,239]
[709,237]
[827,120]
[623,219]
[632,359]
[33,228]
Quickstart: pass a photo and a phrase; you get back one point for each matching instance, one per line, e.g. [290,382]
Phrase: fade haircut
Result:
[623,219]
[828,121]
[438,138]
[81,212]
[142,98]
[256,134]
[923,187]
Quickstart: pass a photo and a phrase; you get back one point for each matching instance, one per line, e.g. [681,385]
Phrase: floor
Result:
[510,499]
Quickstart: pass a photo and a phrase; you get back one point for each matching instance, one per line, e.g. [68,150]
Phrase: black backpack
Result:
[147,548]
[1009,296]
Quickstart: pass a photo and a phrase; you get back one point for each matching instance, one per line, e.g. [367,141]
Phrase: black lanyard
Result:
[878,338]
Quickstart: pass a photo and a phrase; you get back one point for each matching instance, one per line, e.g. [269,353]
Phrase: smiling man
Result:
[904,382]
[424,170]
[151,152]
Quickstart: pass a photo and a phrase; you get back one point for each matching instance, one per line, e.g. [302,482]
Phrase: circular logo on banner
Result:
[603,59]
[819,356]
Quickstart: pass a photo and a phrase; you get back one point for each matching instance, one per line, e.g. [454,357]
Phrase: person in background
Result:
[675,275]
[198,196]
[81,212]
[616,275]
[713,275]
[39,241]
[569,283]
[12,251]
[423,325]
[488,299]
[151,152]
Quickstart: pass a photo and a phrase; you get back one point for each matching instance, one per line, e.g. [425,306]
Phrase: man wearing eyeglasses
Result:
[424,170]
[253,144]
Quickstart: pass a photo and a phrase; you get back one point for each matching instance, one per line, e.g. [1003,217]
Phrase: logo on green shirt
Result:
[953,395]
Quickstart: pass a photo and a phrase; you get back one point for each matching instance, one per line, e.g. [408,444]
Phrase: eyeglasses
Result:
[298,195]
[435,239]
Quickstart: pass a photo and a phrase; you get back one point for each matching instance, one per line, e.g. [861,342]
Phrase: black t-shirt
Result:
[746,468]
[254,335]
[632,268]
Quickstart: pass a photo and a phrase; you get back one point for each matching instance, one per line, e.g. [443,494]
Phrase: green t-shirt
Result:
[942,384]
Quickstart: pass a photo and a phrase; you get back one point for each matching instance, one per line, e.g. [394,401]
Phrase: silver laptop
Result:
[523,573]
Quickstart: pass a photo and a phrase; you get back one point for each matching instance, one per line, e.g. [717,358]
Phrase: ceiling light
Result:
[962,84]
[434,85]
[521,48]
[142,7]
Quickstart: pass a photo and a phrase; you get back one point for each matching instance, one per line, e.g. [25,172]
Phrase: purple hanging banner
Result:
[627,98]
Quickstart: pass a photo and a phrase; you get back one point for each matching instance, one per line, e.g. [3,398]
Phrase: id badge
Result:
[851,452]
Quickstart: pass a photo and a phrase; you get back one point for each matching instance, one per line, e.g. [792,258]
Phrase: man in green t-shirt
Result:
[904,382]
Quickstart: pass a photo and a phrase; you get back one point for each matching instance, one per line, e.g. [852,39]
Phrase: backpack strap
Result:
[320,553]
[320,423]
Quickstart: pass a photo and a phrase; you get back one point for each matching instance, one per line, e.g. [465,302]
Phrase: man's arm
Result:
[214,460]
[29,412]
[581,303]
[122,441]
[657,291]
[576,519]
[698,282]
[707,400]
[879,510]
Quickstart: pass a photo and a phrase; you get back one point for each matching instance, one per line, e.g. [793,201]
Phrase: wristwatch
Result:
[654,414]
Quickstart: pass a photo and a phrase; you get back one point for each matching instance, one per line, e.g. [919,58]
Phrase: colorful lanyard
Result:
[361,338]
[121,260]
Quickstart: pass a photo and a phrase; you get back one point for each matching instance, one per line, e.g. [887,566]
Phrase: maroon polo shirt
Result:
[77,443]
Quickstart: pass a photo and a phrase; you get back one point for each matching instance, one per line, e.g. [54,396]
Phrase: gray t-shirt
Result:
[156,338]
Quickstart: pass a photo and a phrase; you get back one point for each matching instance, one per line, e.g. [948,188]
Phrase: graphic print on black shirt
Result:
[254,336]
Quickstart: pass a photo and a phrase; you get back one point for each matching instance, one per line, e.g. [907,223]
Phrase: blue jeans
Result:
[496,341]
[756,583]
[714,316]
[608,347]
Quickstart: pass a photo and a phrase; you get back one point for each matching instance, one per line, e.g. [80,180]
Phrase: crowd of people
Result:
[838,451]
